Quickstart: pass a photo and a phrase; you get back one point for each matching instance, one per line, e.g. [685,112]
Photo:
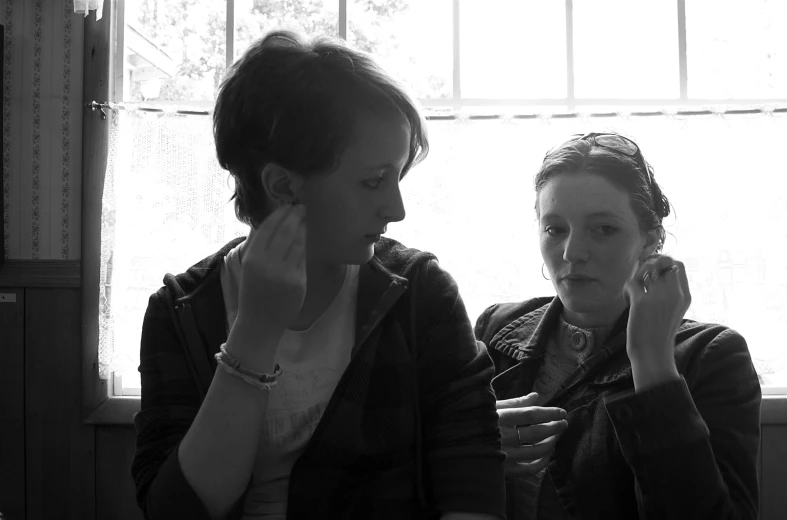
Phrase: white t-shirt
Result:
[312,363]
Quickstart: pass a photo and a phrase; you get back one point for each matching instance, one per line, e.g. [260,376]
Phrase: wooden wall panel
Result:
[115,493]
[12,403]
[60,449]
[773,501]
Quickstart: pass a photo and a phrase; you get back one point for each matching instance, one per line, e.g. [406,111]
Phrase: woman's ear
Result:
[280,184]
[653,242]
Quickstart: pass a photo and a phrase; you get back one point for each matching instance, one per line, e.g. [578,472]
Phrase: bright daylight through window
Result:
[700,84]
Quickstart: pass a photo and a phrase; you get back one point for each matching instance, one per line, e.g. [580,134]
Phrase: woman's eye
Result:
[607,230]
[553,230]
[374,183]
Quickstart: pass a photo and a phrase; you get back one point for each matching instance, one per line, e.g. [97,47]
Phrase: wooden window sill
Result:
[115,410]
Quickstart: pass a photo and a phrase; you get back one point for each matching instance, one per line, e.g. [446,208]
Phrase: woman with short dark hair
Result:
[315,369]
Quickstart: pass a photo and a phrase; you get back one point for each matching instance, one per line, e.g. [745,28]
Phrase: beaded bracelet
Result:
[261,380]
[265,387]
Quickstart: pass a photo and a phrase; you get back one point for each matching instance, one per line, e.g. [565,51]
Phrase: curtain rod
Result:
[93,105]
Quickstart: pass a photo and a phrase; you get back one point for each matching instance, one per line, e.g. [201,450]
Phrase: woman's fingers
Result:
[684,284]
[273,274]
[510,417]
[532,434]
[538,432]
[523,469]
[529,453]
[528,460]
[281,216]
[296,250]
[518,402]
[287,231]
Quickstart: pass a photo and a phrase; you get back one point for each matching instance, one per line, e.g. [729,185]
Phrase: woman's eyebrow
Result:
[609,214]
[595,214]
[383,166]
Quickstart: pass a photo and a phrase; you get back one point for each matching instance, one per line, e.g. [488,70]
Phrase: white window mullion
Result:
[682,58]
[119,77]
[230,32]
[457,61]
[570,96]
[343,19]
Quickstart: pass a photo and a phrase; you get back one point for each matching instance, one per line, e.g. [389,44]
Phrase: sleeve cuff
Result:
[657,419]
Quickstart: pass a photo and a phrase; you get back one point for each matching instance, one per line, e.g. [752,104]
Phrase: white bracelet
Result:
[261,380]
[265,387]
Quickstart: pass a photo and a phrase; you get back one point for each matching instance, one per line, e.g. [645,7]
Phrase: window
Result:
[664,72]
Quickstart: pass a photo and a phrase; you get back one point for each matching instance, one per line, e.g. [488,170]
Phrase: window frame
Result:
[99,404]
[570,101]
[103,50]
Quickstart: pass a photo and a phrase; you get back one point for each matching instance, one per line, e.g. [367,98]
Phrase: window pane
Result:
[410,39]
[737,49]
[254,18]
[626,49]
[513,49]
[174,50]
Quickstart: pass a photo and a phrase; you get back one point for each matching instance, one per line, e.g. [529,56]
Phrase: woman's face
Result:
[361,196]
[588,228]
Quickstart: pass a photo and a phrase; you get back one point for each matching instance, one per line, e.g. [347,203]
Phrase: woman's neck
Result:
[603,318]
[323,277]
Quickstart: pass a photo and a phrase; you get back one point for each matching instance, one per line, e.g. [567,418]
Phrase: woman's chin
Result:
[368,256]
[580,303]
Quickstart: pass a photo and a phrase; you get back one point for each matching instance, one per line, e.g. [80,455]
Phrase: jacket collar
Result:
[525,339]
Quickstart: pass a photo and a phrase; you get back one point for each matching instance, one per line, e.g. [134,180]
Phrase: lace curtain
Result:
[471,203]
[85,6]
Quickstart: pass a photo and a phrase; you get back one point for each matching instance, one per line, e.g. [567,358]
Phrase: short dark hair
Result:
[650,205]
[295,103]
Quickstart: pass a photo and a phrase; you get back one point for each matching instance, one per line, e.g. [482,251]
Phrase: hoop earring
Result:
[542,272]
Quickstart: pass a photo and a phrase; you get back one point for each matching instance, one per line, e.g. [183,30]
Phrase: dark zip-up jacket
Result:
[681,450]
[411,428]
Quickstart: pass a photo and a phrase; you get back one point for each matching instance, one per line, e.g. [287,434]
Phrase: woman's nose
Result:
[576,249]
[394,208]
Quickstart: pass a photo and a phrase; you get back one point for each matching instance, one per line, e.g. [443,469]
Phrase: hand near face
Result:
[273,269]
[539,429]
[658,305]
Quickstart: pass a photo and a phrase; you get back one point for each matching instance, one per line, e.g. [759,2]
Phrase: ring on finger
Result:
[646,278]
[519,437]
[650,276]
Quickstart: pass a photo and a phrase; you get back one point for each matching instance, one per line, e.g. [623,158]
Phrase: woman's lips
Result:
[575,282]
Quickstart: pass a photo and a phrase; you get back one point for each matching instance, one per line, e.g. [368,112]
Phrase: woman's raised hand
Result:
[528,451]
[273,270]
[659,296]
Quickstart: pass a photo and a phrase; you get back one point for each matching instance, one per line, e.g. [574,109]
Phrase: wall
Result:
[52,465]
[42,114]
